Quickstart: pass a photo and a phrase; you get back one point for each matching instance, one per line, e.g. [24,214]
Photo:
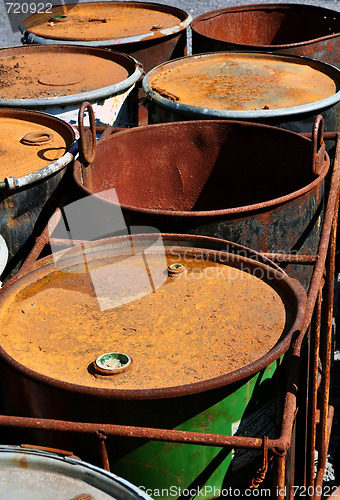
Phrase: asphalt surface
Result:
[9,38]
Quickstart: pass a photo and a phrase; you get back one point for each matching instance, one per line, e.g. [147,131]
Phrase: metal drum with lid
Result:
[57,79]
[277,90]
[160,332]
[150,32]
[35,150]
[32,474]
[304,30]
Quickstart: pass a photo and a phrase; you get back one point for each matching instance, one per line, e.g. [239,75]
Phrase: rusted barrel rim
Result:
[92,95]
[211,213]
[14,183]
[71,256]
[267,6]
[184,17]
[261,114]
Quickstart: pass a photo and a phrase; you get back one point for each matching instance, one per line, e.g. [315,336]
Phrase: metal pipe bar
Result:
[326,135]
[167,435]
[104,458]
[279,487]
[314,389]
[326,350]
[299,258]
[292,387]
[321,471]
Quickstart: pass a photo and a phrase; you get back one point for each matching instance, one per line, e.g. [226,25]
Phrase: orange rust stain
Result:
[101,21]
[37,74]
[210,321]
[23,462]
[241,82]
[17,159]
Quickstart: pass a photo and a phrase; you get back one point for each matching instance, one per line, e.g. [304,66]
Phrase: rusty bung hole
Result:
[112,363]
[58,19]
[175,269]
[37,138]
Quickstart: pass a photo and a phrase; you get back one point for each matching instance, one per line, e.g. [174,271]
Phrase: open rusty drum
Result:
[252,184]
[169,332]
[285,28]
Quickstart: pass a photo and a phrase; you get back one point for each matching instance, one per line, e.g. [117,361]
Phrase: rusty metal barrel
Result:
[150,32]
[57,79]
[285,91]
[293,29]
[154,332]
[257,185]
[34,154]
[31,473]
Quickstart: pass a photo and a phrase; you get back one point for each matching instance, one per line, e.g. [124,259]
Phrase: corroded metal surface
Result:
[57,80]
[34,72]
[118,21]
[191,183]
[234,81]
[217,333]
[277,448]
[192,406]
[150,48]
[221,335]
[23,198]
[278,28]
[17,156]
[258,102]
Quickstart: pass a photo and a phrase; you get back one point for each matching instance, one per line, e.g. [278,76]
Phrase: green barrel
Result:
[166,332]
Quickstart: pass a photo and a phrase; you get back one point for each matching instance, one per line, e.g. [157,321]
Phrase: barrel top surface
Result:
[103,21]
[26,146]
[21,480]
[33,474]
[210,320]
[30,73]
[245,82]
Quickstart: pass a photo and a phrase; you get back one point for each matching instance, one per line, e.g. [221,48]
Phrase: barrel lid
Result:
[221,316]
[30,141]
[242,82]
[40,475]
[119,22]
[39,72]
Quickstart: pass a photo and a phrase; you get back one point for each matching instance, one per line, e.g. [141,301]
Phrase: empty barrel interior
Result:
[268,24]
[199,166]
